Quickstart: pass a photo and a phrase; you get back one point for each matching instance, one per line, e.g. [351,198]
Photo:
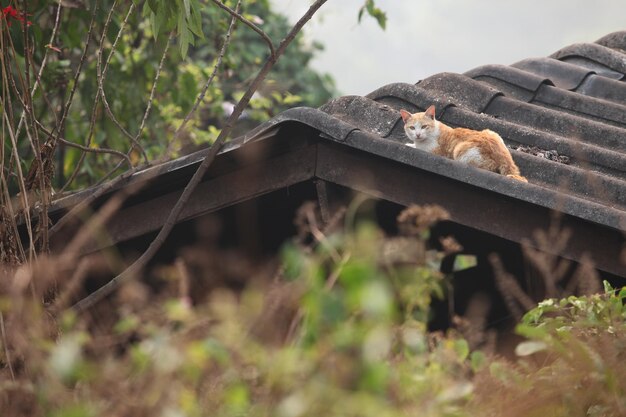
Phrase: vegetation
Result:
[337,326]
[91,90]
[124,46]
[341,330]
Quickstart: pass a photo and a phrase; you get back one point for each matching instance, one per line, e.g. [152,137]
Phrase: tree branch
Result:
[70,99]
[94,109]
[251,25]
[154,84]
[101,77]
[57,21]
[202,94]
[85,148]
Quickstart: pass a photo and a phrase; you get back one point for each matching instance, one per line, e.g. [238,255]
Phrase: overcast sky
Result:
[424,37]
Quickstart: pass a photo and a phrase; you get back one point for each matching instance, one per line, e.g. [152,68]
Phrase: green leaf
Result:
[188,90]
[356,273]
[126,324]
[77,410]
[154,5]
[195,19]
[184,36]
[154,25]
[529,347]
[375,377]
[237,399]
[375,12]
[216,351]
[293,261]
[531,332]
[462,262]
[462,349]
[381,18]
[360,16]
[332,308]
[477,360]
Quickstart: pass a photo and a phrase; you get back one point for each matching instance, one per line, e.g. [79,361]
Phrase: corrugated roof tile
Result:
[603,60]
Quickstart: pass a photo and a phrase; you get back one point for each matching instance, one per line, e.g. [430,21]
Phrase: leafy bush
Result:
[578,346]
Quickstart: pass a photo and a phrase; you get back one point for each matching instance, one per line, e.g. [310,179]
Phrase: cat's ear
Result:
[430,112]
[405,115]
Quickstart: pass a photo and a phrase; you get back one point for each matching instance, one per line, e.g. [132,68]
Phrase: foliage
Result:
[343,332]
[553,319]
[129,66]
[574,361]
[375,12]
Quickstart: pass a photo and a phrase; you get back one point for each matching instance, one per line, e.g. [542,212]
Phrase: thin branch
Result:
[87,201]
[206,86]
[72,286]
[113,170]
[101,77]
[7,116]
[45,98]
[106,176]
[14,227]
[5,343]
[70,99]
[33,137]
[94,109]
[44,61]
[320,237]
[251,25]
[86,148]
[22,186]
[24,99]
[154,84]
[516,300]
[117,39]
[156,244]
[97,221]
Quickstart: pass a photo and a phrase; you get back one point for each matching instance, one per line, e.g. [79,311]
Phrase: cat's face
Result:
[420,127]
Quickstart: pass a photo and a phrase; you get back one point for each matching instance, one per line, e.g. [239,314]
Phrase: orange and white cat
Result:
[483,149]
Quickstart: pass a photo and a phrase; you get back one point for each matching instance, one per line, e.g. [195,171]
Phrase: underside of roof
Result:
[563,117]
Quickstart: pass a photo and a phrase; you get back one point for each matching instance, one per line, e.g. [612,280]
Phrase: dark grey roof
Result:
[571,104]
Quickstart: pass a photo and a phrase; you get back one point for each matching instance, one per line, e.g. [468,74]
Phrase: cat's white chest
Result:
[427,145]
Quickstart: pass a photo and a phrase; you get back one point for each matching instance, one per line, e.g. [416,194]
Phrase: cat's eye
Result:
[412,127]
[424,127]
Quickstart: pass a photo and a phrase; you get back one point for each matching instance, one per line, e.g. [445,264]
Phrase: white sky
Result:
[424,37]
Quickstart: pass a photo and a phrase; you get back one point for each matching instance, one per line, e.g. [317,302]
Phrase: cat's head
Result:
[421,127]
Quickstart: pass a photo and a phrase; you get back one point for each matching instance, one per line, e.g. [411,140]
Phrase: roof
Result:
[563,116]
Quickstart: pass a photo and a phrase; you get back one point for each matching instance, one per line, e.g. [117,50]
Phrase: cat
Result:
[482,149]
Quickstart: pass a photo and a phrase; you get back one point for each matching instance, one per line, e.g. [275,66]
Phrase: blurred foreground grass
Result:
[341,330]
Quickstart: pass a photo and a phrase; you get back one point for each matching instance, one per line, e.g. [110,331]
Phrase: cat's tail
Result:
[517,177]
